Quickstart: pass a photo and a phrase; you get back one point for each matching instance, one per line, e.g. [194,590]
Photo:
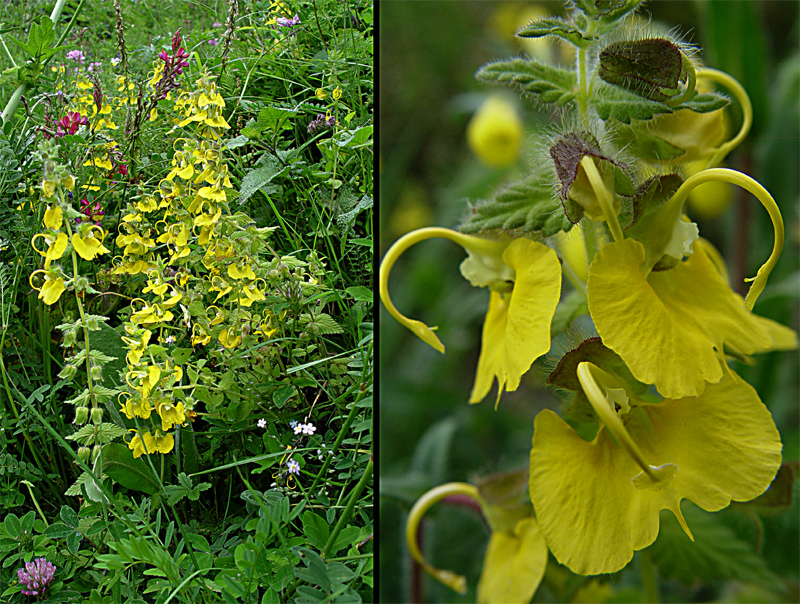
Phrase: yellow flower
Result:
[136,347]
[495,132]
[524,277]
[337,93]
[57,244]
[229,338]
[170,413]
[321,94]
[149,444]
[235,272]
[597,502]
[515,558]
[51,289]
[53,216]
[87,244]
[671,326]
[200,336]
[135,407]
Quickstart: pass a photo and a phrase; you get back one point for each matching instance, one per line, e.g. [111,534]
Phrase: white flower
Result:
[169,340]
[298,428]
[262,423]
[293,467]
[309,429]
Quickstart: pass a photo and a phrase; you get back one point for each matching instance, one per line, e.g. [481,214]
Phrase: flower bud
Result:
[68,372]
[81,415]
[96,372]
[83,454]
[97,415]
[494,133]
[95,452]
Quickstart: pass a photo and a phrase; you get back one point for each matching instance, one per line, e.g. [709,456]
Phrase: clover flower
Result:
[36,577]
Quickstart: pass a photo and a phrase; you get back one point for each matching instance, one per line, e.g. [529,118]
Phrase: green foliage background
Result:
[429,52]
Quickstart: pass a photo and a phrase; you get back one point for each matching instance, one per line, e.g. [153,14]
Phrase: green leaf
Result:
[26,523]
[12,525]
[269,118]
[527,207]
[705,102]
[541,82]
[58,530]
[73,542]
[716,553]
[347,537]
[316,529]
[315,571]
[120,465]
[606,11]
[360,293]
[651,68]
[612,102]
[110,343]
[261,176]
[354,138]
[555,26]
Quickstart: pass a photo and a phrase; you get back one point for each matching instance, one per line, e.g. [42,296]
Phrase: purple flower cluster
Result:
[173,66]
[290,23]
[320,122]
[77,56]
[36,577]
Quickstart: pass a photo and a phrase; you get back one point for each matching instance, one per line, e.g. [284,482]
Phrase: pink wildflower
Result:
[36,577]
[92,212]
[70,122]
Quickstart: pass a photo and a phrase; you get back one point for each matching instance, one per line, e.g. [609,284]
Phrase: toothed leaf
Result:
[612,102]
[554,26]
[541,82]
[525,208]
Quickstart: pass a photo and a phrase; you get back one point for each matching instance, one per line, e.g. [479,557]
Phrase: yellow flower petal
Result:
[595,506]
[514,565]
[51,291]
[234,272]
[670,326]
[517,327]
[87,247]
[53,217]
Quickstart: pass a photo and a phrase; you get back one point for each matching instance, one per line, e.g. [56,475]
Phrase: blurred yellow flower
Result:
[495,132]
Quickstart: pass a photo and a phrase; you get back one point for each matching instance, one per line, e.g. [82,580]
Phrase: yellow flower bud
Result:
[495,133]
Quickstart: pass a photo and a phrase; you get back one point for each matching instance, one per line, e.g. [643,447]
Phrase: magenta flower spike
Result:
[36,577]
